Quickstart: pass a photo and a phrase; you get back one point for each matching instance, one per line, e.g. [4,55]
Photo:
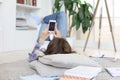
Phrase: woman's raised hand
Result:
[57,33]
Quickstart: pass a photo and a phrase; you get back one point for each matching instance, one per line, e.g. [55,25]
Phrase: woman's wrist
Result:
[41,41]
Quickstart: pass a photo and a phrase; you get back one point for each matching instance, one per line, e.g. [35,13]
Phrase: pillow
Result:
[68,60]
[46,70]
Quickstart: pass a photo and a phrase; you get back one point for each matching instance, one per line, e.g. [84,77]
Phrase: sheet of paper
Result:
[37,77]
[97,53]
[114,71]
[84,71]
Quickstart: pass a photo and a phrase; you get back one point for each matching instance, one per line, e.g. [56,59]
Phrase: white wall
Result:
[46,8]
[10,38]
[1,30]
[7,19]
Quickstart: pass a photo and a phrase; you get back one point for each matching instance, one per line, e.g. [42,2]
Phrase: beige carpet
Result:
[13,71]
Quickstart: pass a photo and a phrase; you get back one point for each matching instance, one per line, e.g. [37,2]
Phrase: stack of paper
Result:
[37,77]
[83,71]
[114,71]
[67,77]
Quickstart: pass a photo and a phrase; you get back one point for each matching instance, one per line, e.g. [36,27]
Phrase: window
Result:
[113,6]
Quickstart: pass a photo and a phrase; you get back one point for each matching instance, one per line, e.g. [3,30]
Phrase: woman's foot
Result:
[37,18]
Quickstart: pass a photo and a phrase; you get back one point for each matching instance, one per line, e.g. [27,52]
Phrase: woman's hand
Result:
[57,33]
[45,33]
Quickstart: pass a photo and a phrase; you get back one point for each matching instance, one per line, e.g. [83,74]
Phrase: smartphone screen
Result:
[51,26]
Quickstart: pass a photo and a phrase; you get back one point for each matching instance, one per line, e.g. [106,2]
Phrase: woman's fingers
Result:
[57,32]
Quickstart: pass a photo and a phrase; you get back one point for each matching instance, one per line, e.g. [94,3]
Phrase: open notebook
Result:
[113,71]
[84,71]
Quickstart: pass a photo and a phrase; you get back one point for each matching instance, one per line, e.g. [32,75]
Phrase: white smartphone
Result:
[52,24]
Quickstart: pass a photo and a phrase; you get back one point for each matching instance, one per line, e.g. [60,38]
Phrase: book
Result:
[84,72]
[20,1]
[68,77]
[34,2]
[25,28]
[29,2]
[21,28]
[113,71]
[21,22]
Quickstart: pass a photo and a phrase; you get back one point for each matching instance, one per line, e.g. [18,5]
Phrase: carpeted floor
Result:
[13,71]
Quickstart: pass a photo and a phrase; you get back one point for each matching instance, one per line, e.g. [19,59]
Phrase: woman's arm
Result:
[36,52]
[43,36]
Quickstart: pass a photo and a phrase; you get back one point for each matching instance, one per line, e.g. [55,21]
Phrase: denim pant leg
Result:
[61,19]
[62,23]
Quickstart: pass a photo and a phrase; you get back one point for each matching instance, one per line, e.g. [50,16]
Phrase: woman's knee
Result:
[62,14]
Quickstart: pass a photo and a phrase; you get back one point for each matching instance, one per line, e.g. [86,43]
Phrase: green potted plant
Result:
[79,13]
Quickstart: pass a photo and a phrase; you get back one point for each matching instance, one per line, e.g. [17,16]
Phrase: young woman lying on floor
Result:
[59,43]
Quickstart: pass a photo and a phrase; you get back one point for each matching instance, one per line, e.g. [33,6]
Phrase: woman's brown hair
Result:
[58,45]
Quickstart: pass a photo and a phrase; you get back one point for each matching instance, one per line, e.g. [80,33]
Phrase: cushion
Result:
[68,60]
[46,70]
